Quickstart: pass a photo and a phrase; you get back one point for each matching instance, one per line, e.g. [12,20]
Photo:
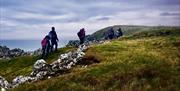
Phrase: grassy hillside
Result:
[144,63]
[129,30]
[23,65]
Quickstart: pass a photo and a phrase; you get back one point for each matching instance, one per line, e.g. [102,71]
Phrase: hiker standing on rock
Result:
[81,35]
[45,43]
[54,39]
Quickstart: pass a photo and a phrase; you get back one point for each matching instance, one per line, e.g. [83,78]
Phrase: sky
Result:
[33,19]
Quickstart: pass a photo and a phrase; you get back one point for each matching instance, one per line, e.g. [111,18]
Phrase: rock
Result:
[49,77]
[7,53]
[42,70]
[64,56]
[4,83]
[3,89]
[37,52]
[21,79]
[39,64]
[73,43]
[41,74]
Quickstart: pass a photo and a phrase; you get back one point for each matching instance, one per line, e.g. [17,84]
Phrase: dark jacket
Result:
[53,36]
[81,33]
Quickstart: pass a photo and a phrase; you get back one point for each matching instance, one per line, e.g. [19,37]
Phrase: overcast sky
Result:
[33,19]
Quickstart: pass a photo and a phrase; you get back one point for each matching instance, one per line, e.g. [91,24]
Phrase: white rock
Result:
[21,79]
[39,64]
[4,83]
[64,56]
[70,64]
[75,60]
[49,77]
[3,89]
[59,60]
[41,74]
[68,67]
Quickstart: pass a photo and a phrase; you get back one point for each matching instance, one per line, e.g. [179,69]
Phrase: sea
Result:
[27,45]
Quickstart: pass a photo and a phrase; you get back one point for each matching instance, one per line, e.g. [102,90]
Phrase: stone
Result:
[39,64]
[49,77]
[42,70]
[21,79]
[4,83]
[3,89]
[64,56]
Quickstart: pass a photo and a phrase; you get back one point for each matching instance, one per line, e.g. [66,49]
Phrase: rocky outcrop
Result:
[43,70]
[73,43]
[6,53]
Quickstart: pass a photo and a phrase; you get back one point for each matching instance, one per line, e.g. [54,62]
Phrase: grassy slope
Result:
[130,29]
[146,64]
[23,65]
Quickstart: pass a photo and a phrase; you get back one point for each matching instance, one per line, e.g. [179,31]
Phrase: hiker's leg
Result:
[52,45]
[43,52]
[47,51]
[56,45]
[110,37]
[81,41]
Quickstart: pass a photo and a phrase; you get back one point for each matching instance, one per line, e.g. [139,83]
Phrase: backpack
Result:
[81,33]
[52,35]
[44,42]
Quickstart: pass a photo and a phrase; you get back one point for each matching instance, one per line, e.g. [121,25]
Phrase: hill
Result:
[134,63]
[130,29]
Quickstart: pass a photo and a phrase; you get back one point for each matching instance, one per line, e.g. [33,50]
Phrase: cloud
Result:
[170,14]
[33,19]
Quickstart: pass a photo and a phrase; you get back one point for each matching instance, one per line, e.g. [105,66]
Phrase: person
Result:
[81,35]
[119,32]
[110,34]
[54,39]
[45,43]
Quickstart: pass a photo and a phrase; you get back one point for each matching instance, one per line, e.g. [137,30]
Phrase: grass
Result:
[145,63]
[23,65]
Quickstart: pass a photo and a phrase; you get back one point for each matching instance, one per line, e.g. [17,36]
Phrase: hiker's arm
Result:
[57,38]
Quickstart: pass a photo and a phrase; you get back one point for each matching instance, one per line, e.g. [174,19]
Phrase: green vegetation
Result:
[145,63]
[23,65]
[129,30]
